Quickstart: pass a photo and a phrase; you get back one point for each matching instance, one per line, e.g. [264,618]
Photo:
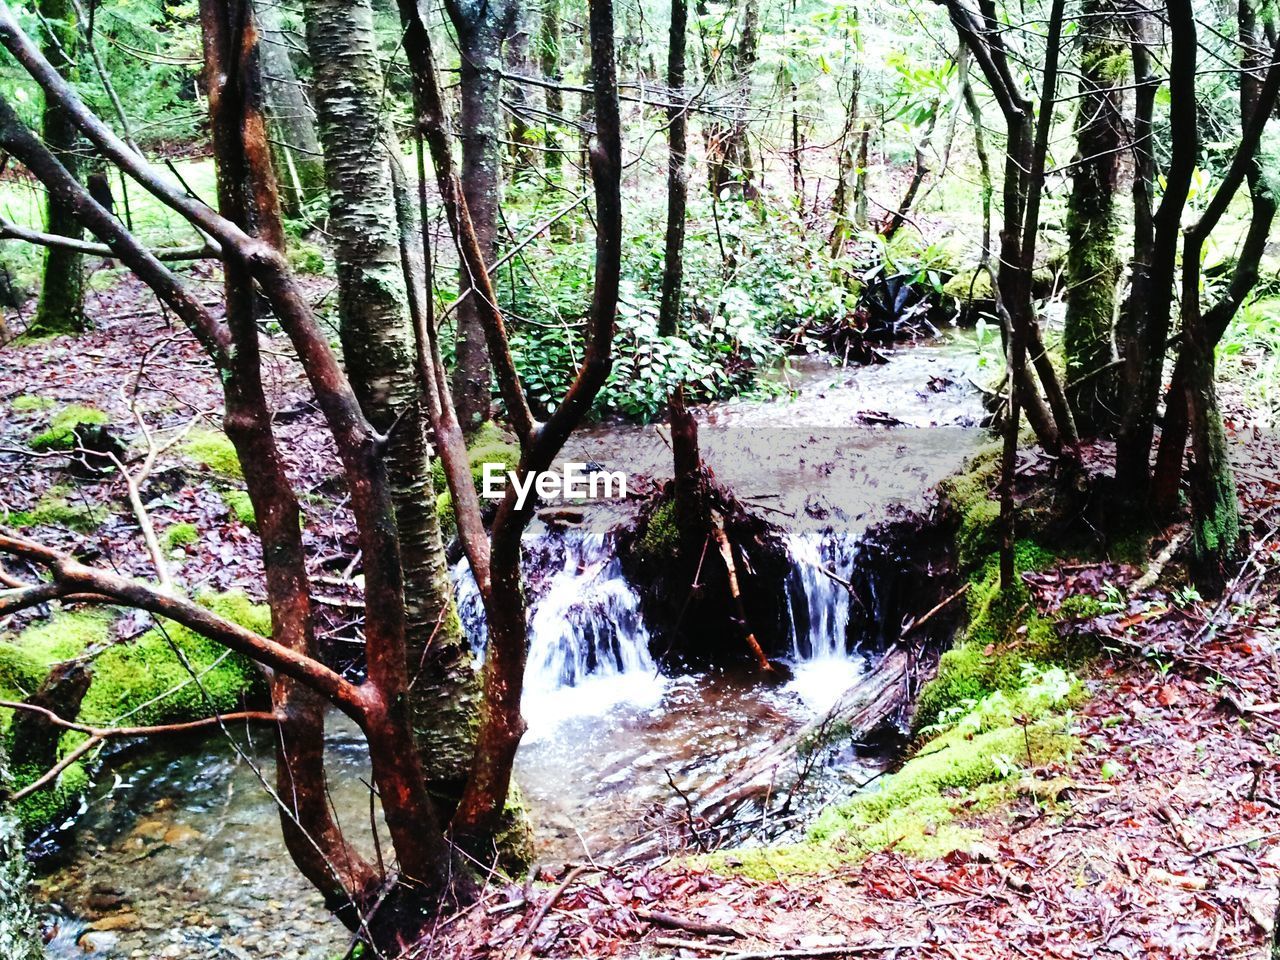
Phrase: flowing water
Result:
[178,850]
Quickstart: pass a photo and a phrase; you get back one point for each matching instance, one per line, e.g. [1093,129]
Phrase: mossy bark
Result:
[379,348]
[1093,266]
[61,306]
[19,932]
[1214,504]
[296,151]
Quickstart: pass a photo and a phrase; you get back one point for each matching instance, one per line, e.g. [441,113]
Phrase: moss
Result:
[487,445]
[968,496]
[661,538]
[240,505]
[967,279]
[213,450]
[45,807]
[959,773]
[143,682]
[53,510]
[181,535]
[513,840]
[61,432]
[30,403]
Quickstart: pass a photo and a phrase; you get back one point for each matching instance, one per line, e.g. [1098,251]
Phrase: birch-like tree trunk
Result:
[380,352]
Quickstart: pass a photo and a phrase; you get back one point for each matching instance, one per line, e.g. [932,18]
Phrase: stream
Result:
[177,850]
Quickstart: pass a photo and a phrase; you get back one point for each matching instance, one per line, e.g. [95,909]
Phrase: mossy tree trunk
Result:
[1093,266]
[61,307]
[380,351]
[19,932]
[296,150]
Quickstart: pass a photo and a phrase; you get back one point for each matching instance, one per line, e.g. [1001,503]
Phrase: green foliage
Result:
[306,258]
[61,432]
[212,449]
[1249,354]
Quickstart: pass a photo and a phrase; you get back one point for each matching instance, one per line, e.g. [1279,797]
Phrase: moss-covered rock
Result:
[31,403]
[212,449]
[146,681]
[487,445]
[61,432]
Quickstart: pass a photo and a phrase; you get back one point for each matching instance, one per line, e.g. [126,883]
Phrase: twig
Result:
[847,949]
[550,902]
[672,922]
[917,624]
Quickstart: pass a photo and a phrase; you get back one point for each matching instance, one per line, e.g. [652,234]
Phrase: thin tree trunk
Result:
[380,351]
[1093,266]
[296,148]
[1144,362]
[516,55]
[61,306]
[479,34]
[549,42]
[677,172]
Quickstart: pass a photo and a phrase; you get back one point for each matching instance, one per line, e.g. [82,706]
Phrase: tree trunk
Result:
[380,351]
[549,42]
[1144,361]
[677,174]
[520,64]
[296,150]
[480,42]
[1093,267]
[61,306]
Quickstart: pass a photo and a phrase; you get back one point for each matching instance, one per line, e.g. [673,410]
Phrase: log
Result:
[878,694]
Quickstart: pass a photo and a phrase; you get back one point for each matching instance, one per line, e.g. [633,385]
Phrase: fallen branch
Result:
[917,624]
[1148,579]
[545,907]
[672,922]
[726,553]
[844,950]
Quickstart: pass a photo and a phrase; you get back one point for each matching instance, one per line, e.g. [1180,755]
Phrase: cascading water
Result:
[588,644]
[818,601]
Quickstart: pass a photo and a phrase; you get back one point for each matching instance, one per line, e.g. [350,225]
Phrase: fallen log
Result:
[879,694]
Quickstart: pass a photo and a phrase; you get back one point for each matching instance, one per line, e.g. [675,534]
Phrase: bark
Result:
[61,306]
[550,39]
[33,738]
[480,28]
[296,147]
[519,63]
[1093,266]
[496,564]
[728,147]
[921,170]
[378,342]
[1144,362]
[1214,506]
[312,837]
[677,172]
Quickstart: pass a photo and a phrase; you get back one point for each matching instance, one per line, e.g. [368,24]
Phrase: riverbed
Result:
[177,852]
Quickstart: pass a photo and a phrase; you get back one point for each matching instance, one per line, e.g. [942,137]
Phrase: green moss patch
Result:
[181,535]
[55,510]
[487,445]
[143,682]
[30,403]
[61,432]
[212,449]
[241,506]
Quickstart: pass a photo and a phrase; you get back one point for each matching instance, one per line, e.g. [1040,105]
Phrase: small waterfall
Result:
[819,607]
[588,645]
